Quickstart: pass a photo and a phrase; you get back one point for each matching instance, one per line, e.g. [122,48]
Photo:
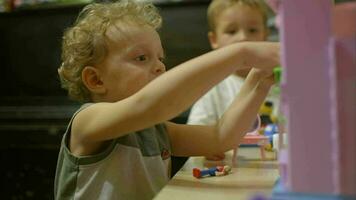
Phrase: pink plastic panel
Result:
[305,33]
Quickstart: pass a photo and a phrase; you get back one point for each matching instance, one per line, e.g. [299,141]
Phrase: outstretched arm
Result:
[171,93]
[189,140]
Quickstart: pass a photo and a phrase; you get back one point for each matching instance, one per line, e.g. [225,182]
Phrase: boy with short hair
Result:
[118,145]
[230,21]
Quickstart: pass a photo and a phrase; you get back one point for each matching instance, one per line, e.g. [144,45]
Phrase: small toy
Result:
[269,131]
[277,71]
[213,171]
[261,140]
[266,115]
[253,138]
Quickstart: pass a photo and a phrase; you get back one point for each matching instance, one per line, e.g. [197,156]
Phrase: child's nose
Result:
[159,68]
[241,36]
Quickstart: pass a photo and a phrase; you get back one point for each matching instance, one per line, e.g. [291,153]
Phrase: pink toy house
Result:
[319,99]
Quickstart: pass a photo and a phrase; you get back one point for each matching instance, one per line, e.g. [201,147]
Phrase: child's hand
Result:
[268,80]
[262,73]
[266,77]
[263,55]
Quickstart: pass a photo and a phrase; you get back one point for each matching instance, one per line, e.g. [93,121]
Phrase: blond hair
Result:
[216,7]
[85,43]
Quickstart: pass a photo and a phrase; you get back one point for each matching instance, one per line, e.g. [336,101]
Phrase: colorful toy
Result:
[213,171]
[318,100]
[269,131]
[265,113]
[277,74]
[260,140]
[253,138]
[267,107]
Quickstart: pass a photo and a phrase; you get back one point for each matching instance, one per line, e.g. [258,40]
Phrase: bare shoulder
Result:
[86,116]
[105,121]
[79,142]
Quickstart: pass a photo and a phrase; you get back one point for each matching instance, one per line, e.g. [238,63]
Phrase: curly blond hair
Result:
[216,7]
[85,43]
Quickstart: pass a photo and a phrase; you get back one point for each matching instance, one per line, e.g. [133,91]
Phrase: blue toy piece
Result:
[270,130]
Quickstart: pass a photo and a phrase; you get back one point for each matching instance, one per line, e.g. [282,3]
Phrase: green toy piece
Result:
[277,74]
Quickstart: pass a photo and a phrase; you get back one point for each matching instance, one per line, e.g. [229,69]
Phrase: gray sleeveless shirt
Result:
[135,166]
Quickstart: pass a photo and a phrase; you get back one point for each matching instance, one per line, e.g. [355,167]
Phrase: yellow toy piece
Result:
[269,147]
[265,113]
[266,108]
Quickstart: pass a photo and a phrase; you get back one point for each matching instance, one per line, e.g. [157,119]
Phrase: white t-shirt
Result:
[208,109]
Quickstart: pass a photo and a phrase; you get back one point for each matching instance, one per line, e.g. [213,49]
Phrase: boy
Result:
[118,146]
[230,21]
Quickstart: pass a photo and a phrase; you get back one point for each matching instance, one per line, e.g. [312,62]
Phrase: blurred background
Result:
[34,110]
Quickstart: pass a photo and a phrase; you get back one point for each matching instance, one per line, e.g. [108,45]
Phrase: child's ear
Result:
[212,39]
[92,80]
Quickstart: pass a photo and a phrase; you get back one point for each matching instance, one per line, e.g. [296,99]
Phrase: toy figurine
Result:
[269,131]
[213,171]
[266,114]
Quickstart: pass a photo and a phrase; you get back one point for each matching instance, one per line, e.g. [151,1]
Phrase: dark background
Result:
[34,110]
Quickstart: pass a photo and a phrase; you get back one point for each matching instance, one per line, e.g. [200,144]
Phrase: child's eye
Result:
[161,59]
[253,30]
[231,32]
[141,58]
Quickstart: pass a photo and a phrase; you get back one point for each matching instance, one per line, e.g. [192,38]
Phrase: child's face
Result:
[236,24]
[132,62]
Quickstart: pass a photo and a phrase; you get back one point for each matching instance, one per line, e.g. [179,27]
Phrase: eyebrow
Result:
[139,46]
[230,25]
[254,23]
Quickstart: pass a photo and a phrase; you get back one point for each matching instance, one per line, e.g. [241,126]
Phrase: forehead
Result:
[121,36]
[240,13]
